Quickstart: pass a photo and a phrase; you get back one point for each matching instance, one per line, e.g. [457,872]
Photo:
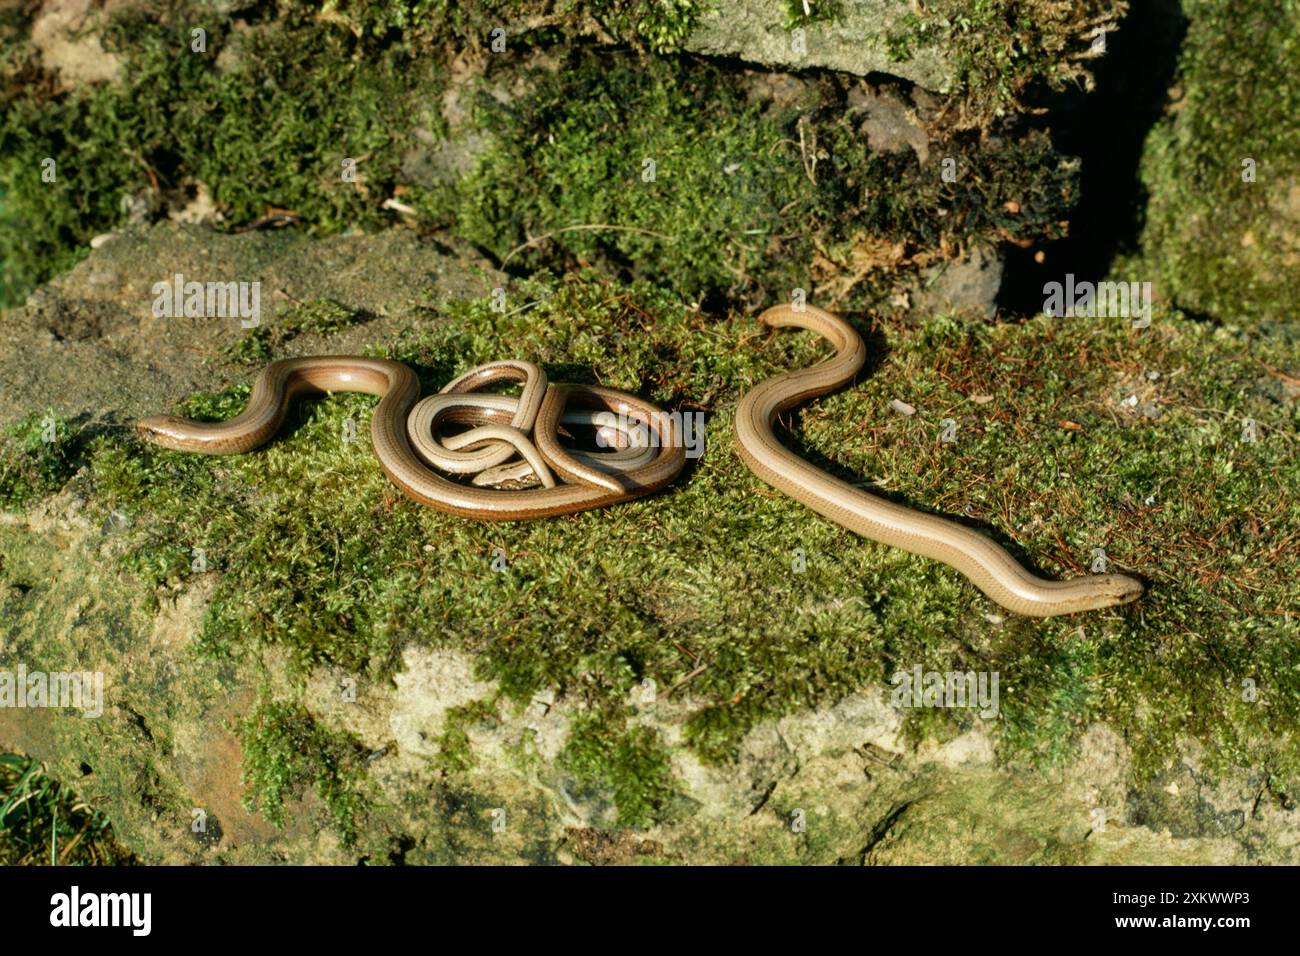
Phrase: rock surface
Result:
[834,784]
[87,344]
[854,41]
[66,34]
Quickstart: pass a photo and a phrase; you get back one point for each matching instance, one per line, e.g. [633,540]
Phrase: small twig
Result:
[523,308]
[274,217]
[803,151]
[1289,379]
[399,206]
[63,854]
[153,176]
[691,676]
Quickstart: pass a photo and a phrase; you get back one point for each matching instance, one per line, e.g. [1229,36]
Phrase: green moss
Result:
[286,751]
[379,21]
[216,406]
[319,317]
[630,762]
[802,12]
[1004,49]
[176,118]
[665,170]
[659,25]
[45,226]
[15,32]
[1219,244]
[254,347]
[265,117]
[455,754]
[742,198]
[37,456]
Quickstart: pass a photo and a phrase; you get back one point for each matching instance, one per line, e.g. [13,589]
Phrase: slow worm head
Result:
[988,565]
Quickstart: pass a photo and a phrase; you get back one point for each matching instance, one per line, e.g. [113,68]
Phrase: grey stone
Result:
[968,285]
[756,31]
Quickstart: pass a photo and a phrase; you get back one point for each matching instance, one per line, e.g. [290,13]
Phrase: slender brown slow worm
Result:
[988,566]
[590,483]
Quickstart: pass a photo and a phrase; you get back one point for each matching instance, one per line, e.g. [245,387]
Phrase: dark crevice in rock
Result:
[1195,315]
[882,828]
[138,720]
[762,801]
[1107,129]
[401,846]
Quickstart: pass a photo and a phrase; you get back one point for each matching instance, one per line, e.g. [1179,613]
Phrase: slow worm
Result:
[588,481]
[988,565]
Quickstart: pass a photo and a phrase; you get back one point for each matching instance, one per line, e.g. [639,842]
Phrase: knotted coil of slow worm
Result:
[988,566]
[648,451]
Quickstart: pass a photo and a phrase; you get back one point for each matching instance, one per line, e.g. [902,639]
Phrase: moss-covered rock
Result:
[730,188]
[577,134]
[852,36]
[348,663]
[1223,222]
[184,124]
[1002,52]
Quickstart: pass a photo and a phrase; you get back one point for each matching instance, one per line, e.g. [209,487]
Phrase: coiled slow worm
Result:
[588,483]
